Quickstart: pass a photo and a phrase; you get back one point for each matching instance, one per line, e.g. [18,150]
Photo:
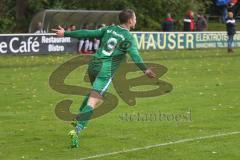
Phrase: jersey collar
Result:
[122,28]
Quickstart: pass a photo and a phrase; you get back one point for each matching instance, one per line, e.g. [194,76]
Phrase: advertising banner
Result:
[49,43]
[36,43]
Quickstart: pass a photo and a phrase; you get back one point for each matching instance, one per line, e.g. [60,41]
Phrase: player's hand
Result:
[150,73]
[60,31]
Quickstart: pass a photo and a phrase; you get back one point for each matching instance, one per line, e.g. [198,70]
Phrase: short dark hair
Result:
[125,15]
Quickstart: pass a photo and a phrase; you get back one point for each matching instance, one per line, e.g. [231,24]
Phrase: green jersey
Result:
[115,43]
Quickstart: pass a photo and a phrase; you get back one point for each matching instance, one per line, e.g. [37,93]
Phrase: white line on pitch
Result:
[159,145]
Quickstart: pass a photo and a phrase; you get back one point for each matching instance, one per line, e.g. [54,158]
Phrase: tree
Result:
[18,13]
[21,16]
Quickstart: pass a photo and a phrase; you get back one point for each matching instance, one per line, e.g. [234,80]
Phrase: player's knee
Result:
[94,99]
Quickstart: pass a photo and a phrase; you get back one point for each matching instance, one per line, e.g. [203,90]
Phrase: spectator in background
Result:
[67,28]
[168,24]
[85,45]
[72,27]
[81,47]
[233,6]
[230,8]
[224,6]
[201,23]
[237,9]
[40,28]
[188,22]
[235,1]
[225,11]
[231,30]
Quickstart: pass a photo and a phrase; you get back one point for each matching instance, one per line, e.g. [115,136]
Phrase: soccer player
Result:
[116,41]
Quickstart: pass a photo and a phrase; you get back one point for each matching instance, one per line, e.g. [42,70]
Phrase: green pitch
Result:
[205,97]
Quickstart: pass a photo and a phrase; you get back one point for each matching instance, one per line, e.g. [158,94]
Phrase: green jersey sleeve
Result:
[98,33]
[134,54]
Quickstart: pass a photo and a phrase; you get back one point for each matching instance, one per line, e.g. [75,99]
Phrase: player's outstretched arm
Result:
[98,33]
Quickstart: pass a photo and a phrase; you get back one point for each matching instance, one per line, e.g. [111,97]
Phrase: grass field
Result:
[205,84]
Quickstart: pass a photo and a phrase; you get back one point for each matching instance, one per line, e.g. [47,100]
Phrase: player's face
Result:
[133,21]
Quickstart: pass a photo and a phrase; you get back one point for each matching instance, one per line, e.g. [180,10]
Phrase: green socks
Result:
[84,117]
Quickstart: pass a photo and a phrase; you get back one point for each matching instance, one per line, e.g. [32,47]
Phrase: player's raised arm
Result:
[98,33]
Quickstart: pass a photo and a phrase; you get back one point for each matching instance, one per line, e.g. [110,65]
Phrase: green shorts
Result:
[100,74]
